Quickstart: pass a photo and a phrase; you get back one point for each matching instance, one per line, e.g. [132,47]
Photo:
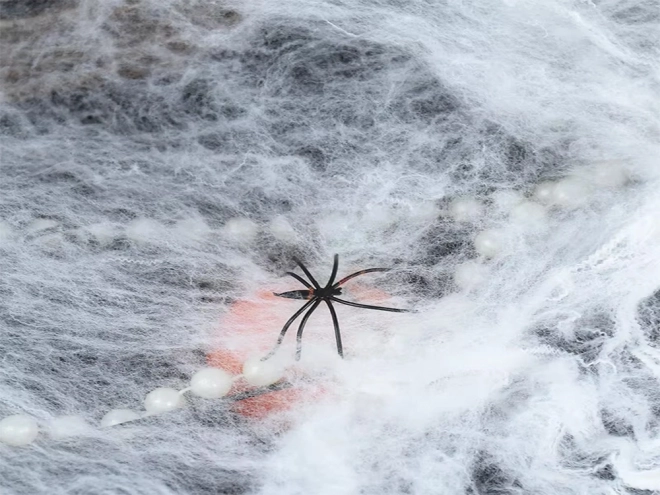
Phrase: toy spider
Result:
[314,295]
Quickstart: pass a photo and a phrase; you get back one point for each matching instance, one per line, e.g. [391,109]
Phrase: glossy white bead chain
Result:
[208,383]
[532,213]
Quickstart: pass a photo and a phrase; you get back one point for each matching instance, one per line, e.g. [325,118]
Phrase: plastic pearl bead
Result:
[544,192]
[469,274]
[241,229]
[163,399]
[465,209]
[211,383]
[67,426]
[103,233]
[260,373]
[488,243]
[118,416]
[529,212]
[18,430]
[570,193]
[144,230]
[282,229]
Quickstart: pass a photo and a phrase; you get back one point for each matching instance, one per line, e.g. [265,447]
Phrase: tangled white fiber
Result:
[161,160]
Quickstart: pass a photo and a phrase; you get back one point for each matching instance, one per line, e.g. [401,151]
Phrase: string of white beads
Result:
[569,193]
[208,383]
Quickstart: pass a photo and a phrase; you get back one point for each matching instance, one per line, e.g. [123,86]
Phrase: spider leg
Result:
[316,301]
[309,275]
[301,280]
[335,322]
[367,306]
[286,327]
[361,272]
[335,265]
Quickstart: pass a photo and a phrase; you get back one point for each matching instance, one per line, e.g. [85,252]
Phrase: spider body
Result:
[315,295]
[323,293]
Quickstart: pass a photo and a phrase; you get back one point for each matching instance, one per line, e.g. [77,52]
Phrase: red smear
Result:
[260,319]
[257,319]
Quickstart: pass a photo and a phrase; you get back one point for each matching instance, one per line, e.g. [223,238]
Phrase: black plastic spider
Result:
[314,295]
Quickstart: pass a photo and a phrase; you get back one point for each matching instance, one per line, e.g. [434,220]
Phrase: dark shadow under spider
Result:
[315,294]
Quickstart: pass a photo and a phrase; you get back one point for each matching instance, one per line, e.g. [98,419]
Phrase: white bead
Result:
[610,173]
[544,192]
[103,233]
[18,430]
[529,213]
[211,383]
[260,373]
[506,199]
[163,399]
[241,230]
[465,209]
[282,229]
[118,416]
[469,274]
[570,193]
[67,426]
[144,230]
[489,243]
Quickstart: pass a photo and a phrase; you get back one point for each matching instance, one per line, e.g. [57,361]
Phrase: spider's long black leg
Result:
[316,301]
[286,327]
[356,274]
[301,280]
[335,265]
[367,306]
[309,275]
[335,322]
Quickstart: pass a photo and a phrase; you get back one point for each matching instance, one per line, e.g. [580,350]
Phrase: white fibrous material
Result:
[117,417]
[240,230]
[489,243]
[162,163]
[529,213]
[68,426]
[465,209]
[282,229]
